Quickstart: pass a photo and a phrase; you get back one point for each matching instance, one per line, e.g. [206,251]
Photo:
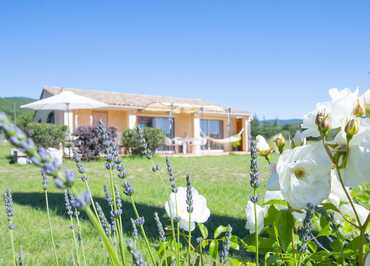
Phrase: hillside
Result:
[23,116]
[283,122]
[271,127]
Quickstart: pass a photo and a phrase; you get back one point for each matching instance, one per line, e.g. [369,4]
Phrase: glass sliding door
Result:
[167,125]
[214,129]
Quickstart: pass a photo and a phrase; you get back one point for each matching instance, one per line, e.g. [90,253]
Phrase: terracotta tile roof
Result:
[139,101]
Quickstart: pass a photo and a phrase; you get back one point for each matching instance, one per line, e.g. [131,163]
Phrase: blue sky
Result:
[273,58]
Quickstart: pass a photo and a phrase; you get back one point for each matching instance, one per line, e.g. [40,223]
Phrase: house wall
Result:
[184,122]
[183,125]
[118,119]
[83,117]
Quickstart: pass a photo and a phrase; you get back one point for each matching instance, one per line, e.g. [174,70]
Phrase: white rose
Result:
[346,209]
[250,224]
[273,182]
[365,99]
[273,194]
[176,207]
[262,147]
[339,109]
[357,170]
[184,225]
[342,104]
[304,175]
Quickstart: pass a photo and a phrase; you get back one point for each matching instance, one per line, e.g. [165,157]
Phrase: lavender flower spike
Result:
[135,233]
[8,202]
[137,258]
[82,201]
[171,175]
[189,195]
[103,219]
[162,235]
[254,174]
[128,190]
[67,202]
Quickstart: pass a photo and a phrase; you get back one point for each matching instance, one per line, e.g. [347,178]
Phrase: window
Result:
[100,115]
[51,118]
[214,129]
[164,123]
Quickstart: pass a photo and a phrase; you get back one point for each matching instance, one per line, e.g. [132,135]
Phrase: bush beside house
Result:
[47,135]
[153,137]
[88,143]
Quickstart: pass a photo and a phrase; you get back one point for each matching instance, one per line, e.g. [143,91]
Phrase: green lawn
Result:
[223,180]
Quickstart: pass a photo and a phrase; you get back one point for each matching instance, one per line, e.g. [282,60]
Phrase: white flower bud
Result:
[263,148]
[352,127]
[299,139]
[359,108]
[279,141]
[250,224]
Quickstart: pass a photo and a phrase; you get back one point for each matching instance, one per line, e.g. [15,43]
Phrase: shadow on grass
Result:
[56,204]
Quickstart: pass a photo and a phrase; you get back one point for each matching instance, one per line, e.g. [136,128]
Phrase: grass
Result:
[223,180]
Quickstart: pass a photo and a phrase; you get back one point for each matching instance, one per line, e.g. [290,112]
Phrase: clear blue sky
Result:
[274,58]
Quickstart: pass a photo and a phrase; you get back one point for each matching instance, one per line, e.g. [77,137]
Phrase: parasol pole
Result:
[69,130]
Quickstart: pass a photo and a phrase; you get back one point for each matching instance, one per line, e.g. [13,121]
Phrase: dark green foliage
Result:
[269,128]
[11,107]
[154,137]
[46,135]
[88,143]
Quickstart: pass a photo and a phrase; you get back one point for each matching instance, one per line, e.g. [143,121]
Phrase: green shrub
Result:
[153,137]
[47,135]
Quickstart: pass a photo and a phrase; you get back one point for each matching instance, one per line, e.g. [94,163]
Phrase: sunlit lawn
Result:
[222,179]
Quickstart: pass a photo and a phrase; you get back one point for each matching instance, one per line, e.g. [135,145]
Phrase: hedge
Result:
[153,137]
[46,135]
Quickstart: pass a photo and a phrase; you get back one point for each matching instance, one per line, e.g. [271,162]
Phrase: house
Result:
[191,125]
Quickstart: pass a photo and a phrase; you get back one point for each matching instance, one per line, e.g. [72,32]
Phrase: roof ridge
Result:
[127,93]
[137,99]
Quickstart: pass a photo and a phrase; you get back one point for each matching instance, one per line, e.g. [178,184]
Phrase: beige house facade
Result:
[192,126]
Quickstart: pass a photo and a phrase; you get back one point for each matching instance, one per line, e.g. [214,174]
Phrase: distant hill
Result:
[7,105]
[283,122]
[271,127]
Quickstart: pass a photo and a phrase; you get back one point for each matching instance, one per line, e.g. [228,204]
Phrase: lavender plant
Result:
[189,208]
[254,183]
[9,211]
[69,212]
